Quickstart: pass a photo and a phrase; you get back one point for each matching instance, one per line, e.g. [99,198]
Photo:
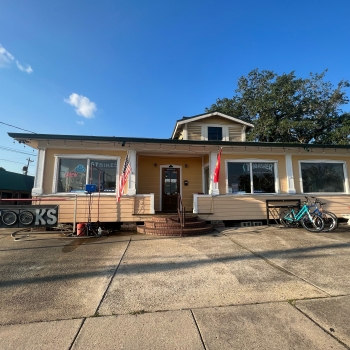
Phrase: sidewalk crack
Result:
[199,332]
[112,278]
[324,329]
[78,332]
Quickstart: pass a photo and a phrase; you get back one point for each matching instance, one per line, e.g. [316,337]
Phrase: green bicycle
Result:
[310,221]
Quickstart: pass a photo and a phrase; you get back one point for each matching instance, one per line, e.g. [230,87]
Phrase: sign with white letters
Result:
[28,215]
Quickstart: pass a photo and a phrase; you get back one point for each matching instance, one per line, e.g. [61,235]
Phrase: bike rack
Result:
[272,209]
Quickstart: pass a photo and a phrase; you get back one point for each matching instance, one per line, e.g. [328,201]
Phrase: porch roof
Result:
[26,138]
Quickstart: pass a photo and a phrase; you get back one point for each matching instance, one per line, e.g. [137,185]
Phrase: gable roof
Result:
[185,120]
[15,182]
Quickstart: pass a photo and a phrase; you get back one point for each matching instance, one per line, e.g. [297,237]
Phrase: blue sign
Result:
[90,188]
[80,168]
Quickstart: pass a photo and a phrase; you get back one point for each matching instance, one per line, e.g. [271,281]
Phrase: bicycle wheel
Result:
[26,217]
[330,221]
[9,218]
[312,222]
[286,218]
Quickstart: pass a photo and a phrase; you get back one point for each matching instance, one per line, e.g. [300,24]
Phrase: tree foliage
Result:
[284,108]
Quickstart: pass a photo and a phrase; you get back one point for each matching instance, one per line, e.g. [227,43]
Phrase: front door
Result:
[170,188]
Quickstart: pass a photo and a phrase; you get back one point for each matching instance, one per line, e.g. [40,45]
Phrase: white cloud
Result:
[28,69]
[6,59]
[84,106]
[80,122]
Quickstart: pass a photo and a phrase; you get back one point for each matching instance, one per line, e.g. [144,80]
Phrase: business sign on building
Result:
[13,216]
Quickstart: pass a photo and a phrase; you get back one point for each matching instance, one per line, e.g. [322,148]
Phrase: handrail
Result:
[181,213]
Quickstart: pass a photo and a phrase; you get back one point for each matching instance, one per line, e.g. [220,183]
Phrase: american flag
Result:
[124,177]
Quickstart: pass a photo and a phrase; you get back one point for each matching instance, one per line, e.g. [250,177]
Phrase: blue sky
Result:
[131,68]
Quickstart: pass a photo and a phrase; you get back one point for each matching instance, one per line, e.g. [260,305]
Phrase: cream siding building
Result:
[162,169]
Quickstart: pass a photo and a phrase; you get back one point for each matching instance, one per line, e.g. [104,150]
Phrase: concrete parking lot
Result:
[237,288]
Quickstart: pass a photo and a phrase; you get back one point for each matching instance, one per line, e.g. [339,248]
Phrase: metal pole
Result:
[267,213]
[75,215]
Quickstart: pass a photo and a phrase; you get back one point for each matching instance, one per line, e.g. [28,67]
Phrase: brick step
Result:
[174,231]
[170,225]
[173,218]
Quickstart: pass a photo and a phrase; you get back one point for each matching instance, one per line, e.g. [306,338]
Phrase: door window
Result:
[170,182]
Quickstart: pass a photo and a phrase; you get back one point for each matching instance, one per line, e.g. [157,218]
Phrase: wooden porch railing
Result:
[181,213]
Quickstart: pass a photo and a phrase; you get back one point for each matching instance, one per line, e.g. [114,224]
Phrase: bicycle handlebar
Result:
[315,201]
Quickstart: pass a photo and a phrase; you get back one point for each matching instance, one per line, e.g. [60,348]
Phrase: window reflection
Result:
[72,175]
[170,182]
[103,174]
[251,177]
[322,177]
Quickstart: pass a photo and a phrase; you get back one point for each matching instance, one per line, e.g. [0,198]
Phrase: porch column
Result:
[151,207]
[195,203]
[132,176]
[39,174]
[214,187]
[290,176]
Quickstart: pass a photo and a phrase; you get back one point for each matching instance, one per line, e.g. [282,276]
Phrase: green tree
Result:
[284,108]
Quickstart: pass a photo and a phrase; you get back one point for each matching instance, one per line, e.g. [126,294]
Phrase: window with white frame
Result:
[214,133]
[74,172]
[322,176]
[252,177]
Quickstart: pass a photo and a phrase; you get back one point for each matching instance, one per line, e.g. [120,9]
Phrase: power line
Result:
[12,126]
[12,161]
[4,148]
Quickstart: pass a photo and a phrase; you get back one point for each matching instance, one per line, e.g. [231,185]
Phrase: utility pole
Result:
[25,168]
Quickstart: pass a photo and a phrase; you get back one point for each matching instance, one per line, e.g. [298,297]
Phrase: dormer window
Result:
[214,126]
[214,133]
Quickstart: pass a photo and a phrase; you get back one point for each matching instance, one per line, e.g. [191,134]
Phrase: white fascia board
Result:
[175,130]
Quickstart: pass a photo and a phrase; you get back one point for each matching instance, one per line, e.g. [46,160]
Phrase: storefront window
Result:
[251,177]
[72,175]
[322,177]
[103,174]
[263,177]
[75,173]
[239,177]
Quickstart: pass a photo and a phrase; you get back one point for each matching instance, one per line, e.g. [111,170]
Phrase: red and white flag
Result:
[123,177]
[217,167]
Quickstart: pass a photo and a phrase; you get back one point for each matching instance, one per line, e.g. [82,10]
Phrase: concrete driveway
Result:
[241,288]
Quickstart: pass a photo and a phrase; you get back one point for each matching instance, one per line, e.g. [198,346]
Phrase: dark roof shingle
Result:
[15,182]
